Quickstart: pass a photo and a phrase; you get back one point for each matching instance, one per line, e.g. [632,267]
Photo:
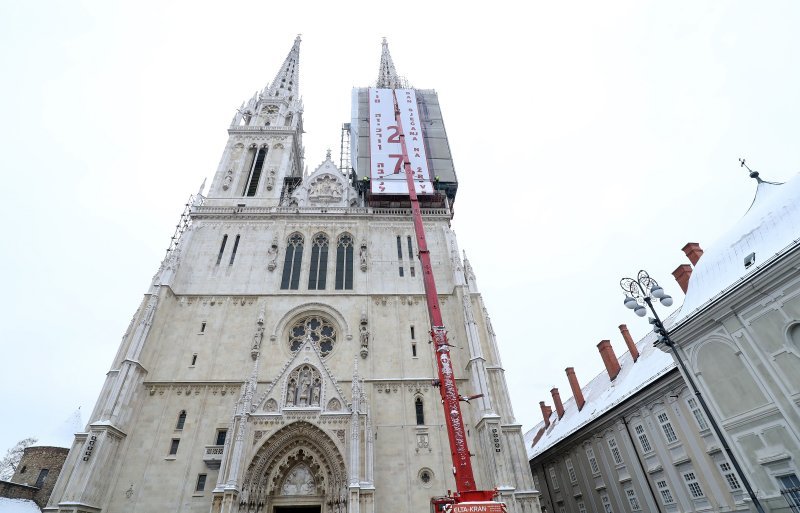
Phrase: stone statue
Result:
[272,255]
[362,255]
[226,182]
[290,393]
[315,395]
[305,389]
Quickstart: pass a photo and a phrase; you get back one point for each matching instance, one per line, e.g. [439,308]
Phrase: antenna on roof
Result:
[753,174]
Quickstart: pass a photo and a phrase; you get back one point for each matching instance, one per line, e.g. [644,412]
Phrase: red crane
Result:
[467,497]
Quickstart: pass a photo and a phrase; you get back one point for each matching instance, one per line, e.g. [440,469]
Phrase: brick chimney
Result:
[609,358]
[546,412]
[557,401]
[693,252]
[576,388]
[629,341]
[682,274]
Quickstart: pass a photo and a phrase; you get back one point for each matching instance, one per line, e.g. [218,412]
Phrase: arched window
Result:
[344,262]
[418,408]
[288,121]
[181,420]
[319,262]
[292,262]
[251,186]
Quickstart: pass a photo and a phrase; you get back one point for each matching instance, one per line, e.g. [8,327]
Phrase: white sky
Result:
[590,139]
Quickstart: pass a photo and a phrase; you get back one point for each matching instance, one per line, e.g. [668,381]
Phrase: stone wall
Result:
[25,482]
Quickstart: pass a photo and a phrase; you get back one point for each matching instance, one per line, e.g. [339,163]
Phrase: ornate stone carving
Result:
[364,335]
[334,405]
[271,405]
[259,335]
[325,189]
[299,482]
[304,387]
[362,255]
[271,179]
[226,182]
[272,255]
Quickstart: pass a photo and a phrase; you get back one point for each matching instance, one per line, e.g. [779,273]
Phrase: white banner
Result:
[386,153]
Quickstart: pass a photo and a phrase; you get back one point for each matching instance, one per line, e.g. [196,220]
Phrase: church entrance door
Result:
[297,509]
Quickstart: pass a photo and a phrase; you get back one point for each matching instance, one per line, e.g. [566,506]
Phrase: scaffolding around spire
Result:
[387,74]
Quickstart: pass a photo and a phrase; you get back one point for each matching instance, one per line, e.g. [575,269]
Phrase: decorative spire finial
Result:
[753,174]
[328,154]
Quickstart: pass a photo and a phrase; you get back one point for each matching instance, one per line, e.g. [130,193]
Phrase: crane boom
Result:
[462,466]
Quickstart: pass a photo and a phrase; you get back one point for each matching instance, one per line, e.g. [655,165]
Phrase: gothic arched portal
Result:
[299,465]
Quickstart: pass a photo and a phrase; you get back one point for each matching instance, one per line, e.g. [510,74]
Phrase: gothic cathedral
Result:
[280,361]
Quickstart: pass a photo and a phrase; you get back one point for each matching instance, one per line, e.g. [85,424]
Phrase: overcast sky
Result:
[591,139]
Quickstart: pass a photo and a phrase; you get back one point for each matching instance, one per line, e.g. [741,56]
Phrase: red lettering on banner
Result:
[395,137]
[398,164]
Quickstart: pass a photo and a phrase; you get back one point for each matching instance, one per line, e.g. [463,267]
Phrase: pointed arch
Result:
[299,445]
[344,262]
[318,269]
[292,262]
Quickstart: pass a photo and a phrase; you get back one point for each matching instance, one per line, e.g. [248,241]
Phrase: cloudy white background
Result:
[591,139]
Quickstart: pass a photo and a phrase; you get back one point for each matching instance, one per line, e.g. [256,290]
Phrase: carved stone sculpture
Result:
[226,182]
[272,255]
[290,393]
[362,255]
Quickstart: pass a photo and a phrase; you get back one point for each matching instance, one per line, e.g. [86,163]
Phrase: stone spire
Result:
[387,75]
[287,81]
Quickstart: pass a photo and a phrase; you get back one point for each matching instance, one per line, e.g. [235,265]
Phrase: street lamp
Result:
[640,292]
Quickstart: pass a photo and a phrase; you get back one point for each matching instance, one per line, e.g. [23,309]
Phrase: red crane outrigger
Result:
[466,498]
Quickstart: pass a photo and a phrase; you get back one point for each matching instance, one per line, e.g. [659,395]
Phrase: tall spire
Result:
[387,75]
[287,81]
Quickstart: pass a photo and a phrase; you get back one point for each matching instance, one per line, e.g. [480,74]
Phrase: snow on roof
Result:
[770,226]
[18,506]
[602,394]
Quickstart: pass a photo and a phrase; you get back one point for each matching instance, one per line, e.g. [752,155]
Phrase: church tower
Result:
[280,360]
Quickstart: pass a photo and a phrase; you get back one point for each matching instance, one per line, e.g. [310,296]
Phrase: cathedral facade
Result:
[280,360]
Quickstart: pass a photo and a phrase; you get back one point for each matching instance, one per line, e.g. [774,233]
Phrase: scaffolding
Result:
[345,164]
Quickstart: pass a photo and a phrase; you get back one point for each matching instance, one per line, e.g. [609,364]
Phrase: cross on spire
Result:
[287,82]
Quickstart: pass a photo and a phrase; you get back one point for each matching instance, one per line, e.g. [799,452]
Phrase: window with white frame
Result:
[693,485]
[666,425]
[592,460]
[698,413]
[730,476]
[573,478]
[553,478]
[666,494]
[642,436]
[606,504]
[581,507]
[612,444]
[630,493]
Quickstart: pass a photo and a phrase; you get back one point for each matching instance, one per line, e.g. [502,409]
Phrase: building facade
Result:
[739,333]
[636,439]
[280,359]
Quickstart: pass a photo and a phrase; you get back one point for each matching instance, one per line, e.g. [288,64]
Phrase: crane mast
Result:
[466,491]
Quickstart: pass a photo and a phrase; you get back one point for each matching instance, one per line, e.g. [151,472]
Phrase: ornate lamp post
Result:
[640,292]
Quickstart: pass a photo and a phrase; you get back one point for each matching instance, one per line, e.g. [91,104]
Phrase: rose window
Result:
[318,328]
